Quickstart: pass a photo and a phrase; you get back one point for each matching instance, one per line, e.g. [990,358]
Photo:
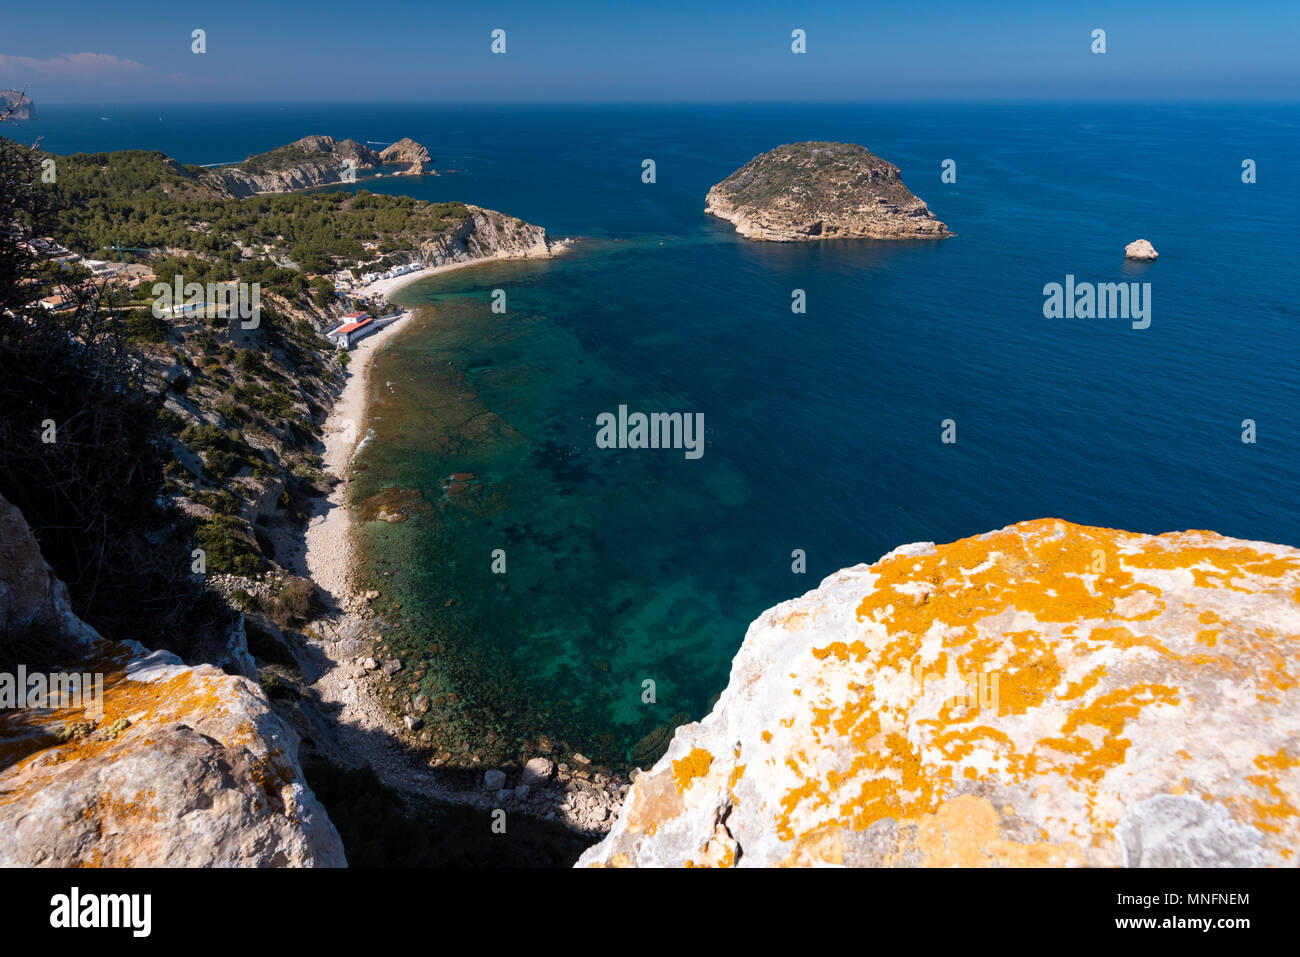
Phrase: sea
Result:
[545,589]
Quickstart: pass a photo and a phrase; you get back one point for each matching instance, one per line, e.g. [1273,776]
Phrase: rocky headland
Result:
[309,162]
[21,104]
[810,191]
[1048,694]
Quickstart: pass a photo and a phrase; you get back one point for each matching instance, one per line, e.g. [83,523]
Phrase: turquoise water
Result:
[822,430]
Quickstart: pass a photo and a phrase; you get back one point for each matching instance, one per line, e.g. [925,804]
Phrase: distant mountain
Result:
[26,108]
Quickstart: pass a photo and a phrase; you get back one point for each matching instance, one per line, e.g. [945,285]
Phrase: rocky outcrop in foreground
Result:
[177,766]
[812,191]
[1044,695]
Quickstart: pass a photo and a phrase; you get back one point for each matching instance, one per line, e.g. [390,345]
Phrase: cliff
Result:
[310,161]
[812,191]
[184,767]
[484,233]
[1044,695]
[25,109]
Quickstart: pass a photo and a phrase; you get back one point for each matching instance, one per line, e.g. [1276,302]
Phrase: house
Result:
[354,332]
[341,334]
[102,268]
[57,303]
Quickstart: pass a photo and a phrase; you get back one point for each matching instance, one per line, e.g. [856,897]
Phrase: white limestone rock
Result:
[1129,700]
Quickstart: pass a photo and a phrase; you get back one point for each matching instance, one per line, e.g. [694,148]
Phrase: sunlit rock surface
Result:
[1044,695]
[1141,249]
[176,766]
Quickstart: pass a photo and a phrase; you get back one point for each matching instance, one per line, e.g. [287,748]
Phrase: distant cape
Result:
[26,109]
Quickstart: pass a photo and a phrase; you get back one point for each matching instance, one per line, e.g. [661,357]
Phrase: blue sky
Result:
[116,50]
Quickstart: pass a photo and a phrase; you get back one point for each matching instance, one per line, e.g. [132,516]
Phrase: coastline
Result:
[347,634]
[328,545]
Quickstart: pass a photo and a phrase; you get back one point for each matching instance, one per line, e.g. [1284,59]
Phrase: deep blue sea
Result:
[823,430]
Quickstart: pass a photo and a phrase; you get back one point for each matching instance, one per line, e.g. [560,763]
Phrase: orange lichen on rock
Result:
[694,765]
[1098,686]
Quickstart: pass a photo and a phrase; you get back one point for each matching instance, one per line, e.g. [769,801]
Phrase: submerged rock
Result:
[1046,694]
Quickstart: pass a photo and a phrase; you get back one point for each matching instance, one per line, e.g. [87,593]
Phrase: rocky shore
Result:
[358,672]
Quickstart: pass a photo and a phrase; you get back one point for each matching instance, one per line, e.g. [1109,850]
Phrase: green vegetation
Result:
[293,604]
[90,489]
[225,453]
[144,326]
[145,199]
[229,548]
[818,168]
[280,157]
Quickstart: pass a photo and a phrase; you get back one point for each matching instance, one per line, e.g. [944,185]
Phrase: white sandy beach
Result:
[367,732]
[329,554]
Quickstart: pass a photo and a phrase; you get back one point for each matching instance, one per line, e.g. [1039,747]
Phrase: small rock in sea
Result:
[634,774]
[537,771]
[369,664]
[521,792]
[581,759]
[412,722]
[449,602]
[421,704]
[372,594]
[392,667]
[1140,249]
[494,780]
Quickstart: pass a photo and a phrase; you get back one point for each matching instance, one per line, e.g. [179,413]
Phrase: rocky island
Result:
[1141,250]
[810,191]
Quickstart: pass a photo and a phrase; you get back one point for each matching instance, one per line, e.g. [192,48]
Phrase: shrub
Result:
[227,546]
[293,604]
